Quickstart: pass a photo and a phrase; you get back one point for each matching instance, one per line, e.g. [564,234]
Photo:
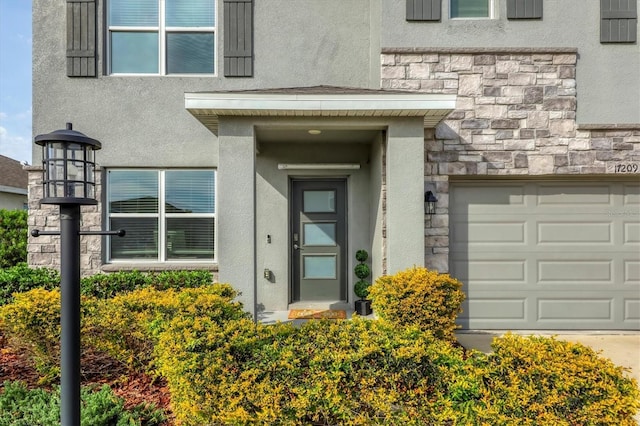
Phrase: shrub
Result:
[126,326]
[37,407]
[324,372]
[418,296]
[31,324]
[22,278]
[13,237]
[362,255]
[361,288]
[108,285]
[362,271]
[544,381]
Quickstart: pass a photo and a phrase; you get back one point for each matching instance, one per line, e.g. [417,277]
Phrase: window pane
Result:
[190,191]
[190,238]
[134,52]
[190,13]
[133,191]
[133,13]
[470,8]
[140,242]
[319,201]
[190,53]
[319,234]
[320,267]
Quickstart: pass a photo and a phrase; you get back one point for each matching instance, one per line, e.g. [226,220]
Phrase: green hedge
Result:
[13,237]
[21,278]
[20,406]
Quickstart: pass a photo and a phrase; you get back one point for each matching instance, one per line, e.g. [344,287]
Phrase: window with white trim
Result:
[161,36]
[168,215]
[471,9]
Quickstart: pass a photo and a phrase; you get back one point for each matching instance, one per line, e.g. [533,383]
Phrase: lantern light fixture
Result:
[430,201]
[68,160]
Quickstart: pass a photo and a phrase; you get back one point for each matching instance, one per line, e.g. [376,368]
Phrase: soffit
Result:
[318,101]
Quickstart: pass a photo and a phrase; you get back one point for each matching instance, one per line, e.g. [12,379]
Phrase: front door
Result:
[318,240]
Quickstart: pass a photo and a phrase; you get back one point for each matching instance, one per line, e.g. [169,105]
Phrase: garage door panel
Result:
[572,310]
[563,232]
[511,232]
[565,256]
[632,310]
[478,198]
[568,272]
[575,195]
[496,309]
[632,272]
[631,195]
[631,233]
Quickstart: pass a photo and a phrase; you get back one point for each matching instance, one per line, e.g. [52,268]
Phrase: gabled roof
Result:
[318,101]
[13,178]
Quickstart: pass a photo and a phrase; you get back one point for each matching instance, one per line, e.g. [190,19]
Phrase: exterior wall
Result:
[607,74]
[515,116]
[141,120]
[12,201]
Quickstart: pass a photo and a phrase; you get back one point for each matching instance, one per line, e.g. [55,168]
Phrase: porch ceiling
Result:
[319,101]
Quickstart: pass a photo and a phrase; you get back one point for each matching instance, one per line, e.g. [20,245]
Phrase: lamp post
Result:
[69,181]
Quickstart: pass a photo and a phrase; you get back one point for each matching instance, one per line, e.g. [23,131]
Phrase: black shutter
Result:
[81,38]
[238,38]
[618,21]
[524,9]
[424,10]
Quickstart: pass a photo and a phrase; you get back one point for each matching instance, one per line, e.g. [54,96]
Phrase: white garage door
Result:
[547,255]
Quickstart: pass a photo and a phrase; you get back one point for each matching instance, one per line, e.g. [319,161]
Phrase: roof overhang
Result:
[209,107]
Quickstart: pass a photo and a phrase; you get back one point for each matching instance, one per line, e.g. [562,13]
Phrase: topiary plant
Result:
[362,256]
[362,271]
[361,289]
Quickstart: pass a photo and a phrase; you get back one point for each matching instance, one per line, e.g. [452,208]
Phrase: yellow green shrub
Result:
[32,325]
[418,296]
[325,372]
[544,381]
[126,326]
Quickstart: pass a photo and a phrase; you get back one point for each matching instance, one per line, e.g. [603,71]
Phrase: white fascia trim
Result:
[12,190]
[342,102]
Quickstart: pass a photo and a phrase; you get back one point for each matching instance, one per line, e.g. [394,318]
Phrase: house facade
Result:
[269,147]
[13,184]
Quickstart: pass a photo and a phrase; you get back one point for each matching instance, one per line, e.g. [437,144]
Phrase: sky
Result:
[15,79]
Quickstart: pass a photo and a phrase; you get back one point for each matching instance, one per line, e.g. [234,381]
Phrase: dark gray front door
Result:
[317,240]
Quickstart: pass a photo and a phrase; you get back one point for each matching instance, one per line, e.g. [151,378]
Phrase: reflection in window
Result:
[319,201]
[143,31]
[175,224]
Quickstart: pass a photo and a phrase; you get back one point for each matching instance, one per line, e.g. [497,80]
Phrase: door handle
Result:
[297,247]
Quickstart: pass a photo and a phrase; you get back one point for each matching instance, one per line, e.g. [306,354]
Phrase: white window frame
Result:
[493,10]
[162,217]
[162,31]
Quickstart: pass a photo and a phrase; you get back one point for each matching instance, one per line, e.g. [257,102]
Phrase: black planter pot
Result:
[363,307]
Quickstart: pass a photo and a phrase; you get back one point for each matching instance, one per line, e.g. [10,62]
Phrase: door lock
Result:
[297,247]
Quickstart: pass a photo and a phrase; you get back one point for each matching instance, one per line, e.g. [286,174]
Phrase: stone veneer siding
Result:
[515,116]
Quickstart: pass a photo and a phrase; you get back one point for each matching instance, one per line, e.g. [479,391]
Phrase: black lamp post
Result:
[69,181]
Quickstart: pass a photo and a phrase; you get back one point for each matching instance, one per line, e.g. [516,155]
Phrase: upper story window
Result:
[161,36]
[471,9]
